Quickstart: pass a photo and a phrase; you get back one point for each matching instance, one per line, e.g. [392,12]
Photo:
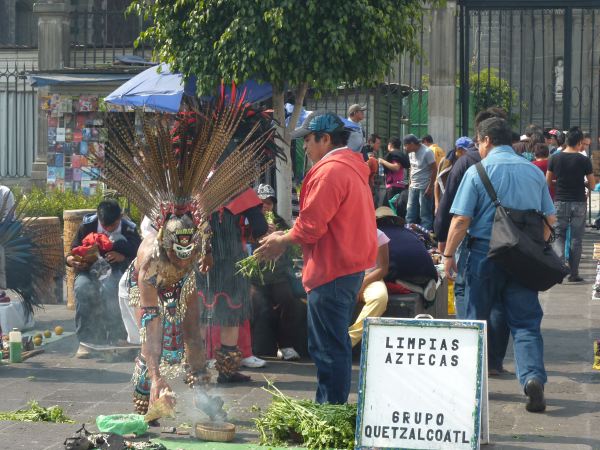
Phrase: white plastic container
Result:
[16,346]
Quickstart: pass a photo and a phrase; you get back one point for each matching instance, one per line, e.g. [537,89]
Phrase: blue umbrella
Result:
[163,90]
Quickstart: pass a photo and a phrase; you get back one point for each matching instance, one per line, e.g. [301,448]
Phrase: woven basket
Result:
[215,431]
[46,234]
[72,219]
[596,254]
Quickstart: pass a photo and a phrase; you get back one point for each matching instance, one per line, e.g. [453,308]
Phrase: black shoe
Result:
[575,279]
[534,390]
[235,377]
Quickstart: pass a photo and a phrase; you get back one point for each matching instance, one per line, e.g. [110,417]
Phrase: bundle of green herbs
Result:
[290,420]
[37,413]
[251,267]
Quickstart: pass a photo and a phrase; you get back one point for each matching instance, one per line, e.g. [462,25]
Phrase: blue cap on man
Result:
[463,142]
[318,122]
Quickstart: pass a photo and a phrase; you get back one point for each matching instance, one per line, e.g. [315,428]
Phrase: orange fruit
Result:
[58,330]
[47,333]
[37,341]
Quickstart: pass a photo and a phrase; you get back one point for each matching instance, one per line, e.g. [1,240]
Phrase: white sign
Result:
[421,384]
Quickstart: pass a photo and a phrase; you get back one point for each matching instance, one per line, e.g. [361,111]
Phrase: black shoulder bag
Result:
[518,246]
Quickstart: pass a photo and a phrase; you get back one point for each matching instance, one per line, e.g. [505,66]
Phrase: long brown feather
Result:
[159,175]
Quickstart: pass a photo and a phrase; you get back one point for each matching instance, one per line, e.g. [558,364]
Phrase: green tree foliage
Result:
[284,42]
[292,44]
[488,89]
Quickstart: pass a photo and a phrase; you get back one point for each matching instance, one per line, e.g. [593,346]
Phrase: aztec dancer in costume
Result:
[178,177]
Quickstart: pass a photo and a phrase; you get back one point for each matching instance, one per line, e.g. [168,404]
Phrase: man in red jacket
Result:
[336,229]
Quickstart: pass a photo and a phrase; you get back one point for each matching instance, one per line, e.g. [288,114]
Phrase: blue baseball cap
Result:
[318,122]
[463,142]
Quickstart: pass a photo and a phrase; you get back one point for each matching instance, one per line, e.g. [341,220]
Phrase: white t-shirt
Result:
[147,228]
[114,235]
[420,167]
[356,140]
[382,240]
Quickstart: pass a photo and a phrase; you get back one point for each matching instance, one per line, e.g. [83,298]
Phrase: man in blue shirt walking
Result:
[487,283]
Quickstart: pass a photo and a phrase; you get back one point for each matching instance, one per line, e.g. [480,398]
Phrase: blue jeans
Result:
[419,207]
[488,285]
[97,313]
[498,331]
[459,281]
[329,315]
[573,214]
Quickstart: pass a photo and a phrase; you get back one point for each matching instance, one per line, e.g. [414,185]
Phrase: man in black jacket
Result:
[97,314]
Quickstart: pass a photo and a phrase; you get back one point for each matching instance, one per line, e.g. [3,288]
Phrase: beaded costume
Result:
[171,309]
[178,171]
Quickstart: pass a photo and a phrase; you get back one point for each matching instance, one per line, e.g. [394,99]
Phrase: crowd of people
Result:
[358,249]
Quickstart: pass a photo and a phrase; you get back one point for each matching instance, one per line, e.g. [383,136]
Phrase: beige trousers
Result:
[376,298]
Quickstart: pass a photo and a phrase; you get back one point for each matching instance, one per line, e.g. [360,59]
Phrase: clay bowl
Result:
[215,431]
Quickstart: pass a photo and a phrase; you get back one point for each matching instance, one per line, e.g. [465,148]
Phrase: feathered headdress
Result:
[29,259]
[186,164]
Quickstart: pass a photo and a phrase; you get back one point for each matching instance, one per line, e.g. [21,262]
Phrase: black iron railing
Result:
[100,37]
[547,61]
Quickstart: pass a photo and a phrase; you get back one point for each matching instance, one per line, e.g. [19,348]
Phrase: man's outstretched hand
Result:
[272,246]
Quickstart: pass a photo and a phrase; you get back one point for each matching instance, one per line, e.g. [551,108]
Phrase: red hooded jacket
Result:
[336,227]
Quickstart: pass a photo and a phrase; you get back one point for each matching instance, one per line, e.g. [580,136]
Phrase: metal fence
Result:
[98,37]
[542,63]
[18,122]
[394,108]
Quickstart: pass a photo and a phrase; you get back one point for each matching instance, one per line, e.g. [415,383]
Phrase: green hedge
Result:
[52,203]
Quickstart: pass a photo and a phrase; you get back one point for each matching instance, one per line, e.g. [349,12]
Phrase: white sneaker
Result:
[82,352]
[253,362]
[288,354]
[430,290]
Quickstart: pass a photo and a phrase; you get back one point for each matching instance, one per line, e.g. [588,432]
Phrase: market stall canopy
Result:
[156,87]
[49,79]
[159,88]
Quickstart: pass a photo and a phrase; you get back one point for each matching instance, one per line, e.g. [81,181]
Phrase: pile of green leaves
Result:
[37,413]
[303,421]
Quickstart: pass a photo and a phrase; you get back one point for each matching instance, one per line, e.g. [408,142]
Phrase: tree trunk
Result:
[283,174]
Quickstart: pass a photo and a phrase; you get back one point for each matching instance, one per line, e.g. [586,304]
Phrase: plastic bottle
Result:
[15,345]
[451,302]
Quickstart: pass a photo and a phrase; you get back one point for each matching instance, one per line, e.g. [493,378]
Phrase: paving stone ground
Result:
[87,388]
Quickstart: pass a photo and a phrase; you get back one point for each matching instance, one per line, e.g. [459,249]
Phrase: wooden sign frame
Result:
[480,430]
